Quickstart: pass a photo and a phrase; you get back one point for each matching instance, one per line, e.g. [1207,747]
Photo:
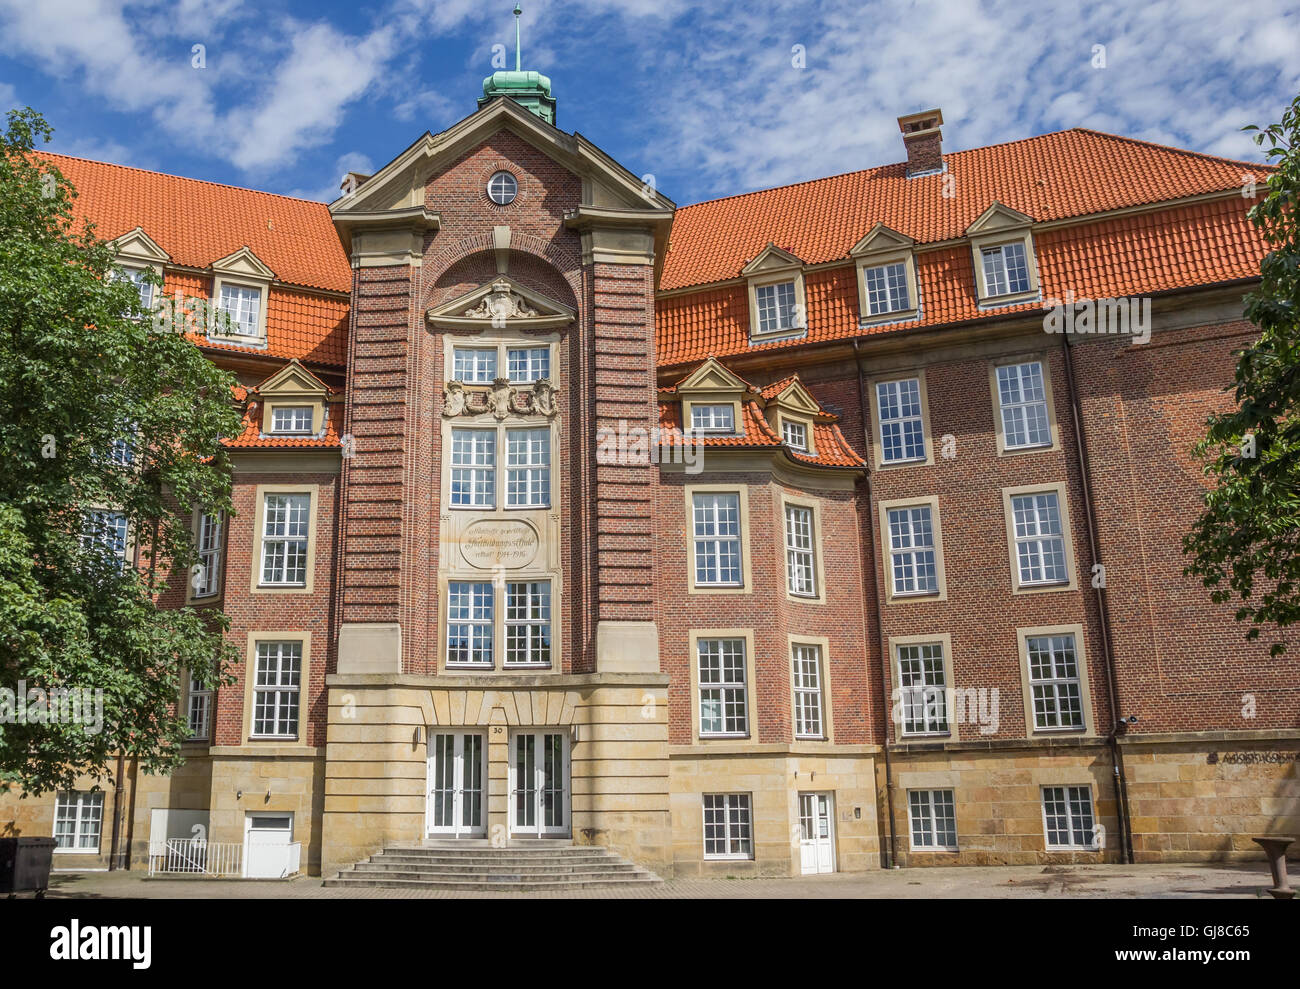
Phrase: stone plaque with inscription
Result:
[506,543]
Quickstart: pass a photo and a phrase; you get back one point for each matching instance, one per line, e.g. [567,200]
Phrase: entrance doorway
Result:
[457,769]
[539,784]
[816,833]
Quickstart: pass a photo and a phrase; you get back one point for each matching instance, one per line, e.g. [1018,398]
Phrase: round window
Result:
[502,188]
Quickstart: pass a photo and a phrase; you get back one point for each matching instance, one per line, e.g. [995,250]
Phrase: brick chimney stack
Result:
[923,140]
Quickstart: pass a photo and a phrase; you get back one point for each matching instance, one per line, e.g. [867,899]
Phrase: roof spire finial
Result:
[518,59]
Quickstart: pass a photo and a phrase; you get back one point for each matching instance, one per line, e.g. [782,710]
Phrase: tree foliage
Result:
[80,368]
[1244,546]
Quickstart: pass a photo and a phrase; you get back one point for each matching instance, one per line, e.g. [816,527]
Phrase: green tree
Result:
[82,370]
[1245,546]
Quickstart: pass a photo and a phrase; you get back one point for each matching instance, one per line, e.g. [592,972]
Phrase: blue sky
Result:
[709,99]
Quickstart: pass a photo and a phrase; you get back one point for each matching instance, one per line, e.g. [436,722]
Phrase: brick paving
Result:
[998,882]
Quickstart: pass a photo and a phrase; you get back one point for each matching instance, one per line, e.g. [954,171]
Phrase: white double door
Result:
[539,783]
[816,833]
[457,772]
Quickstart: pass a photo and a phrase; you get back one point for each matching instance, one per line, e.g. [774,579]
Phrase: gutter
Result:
[877,570]
[1118,778]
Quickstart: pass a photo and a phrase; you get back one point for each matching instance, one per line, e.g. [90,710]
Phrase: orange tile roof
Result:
[253,438]
[1179,247]
[312,328]
[832,448]
[198,222]
[1065,174]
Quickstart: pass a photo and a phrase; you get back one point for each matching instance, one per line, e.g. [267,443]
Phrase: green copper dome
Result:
[529,89]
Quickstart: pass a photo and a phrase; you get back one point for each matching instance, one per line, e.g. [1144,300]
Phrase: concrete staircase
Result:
[532,867]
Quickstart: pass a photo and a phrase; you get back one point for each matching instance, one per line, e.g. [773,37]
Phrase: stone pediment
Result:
[501,304]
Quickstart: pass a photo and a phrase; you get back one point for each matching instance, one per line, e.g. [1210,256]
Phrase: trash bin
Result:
[25,865]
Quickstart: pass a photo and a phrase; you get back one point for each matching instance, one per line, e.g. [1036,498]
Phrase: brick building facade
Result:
[770,535]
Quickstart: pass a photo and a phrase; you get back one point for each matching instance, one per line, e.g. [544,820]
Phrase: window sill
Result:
[488,667]
[925,734]
[526,666]
[896,316]
[793,333]
[292,739]
[1029,448]
[934,849]
[914,595]
[905,462]
[1010,299]
[239,339]
[77,851]
[723,736]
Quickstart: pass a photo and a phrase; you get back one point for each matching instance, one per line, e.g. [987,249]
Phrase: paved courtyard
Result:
[995,882]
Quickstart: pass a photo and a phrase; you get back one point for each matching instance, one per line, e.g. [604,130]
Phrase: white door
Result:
[457,769]
[539,783]
[266,845]
[816,834]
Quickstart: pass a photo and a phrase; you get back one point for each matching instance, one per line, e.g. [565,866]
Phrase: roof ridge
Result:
[1173,148]
[184,178]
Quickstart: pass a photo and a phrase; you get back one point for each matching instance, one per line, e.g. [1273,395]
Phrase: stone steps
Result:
[483,868]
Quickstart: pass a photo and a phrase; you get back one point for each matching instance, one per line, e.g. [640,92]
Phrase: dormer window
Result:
[1005,269]
[887,288]
[1002,246]
[243,304]
[136,277]
[795,435]
[475,365]
[776,307]
[713,418]
[292,419]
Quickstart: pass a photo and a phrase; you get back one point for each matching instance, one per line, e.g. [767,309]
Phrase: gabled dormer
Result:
[885,261]
[712,400]
[778,307]
[241,286]
[793,414]
[137,253]
[1002,248]
[293,402]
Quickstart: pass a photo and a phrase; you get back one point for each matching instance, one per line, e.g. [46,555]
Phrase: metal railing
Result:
[199,858]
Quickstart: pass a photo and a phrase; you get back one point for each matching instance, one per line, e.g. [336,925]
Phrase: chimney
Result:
[351,181]
[923,141]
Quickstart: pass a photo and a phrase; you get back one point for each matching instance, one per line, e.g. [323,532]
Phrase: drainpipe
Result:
[877,569]
[114,853]
[1117,759]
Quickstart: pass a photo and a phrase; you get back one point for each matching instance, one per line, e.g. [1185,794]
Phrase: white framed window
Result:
[717,539]
[713,418]
[795,434]
[78,820]
[473,468]
[135,276]
[208,580]
[724,706]
[469,623]
[474,365]
[528,623]
[776,307]
[502,188]
[902,428]
[1039,539]
[923,689]
[276,685]
[104,532]
[1068,820]
[808,721]
[285,525]
[887,288]
[292,419]
[198,711]
[1055,685]
[800,570]
[912,561]
[528,364]
[933,817]
[1006,271]
[243,304]
[528,468]
[1022,404]
[728,828]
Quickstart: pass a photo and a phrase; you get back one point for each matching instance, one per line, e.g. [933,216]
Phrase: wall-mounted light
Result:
[417,737]
[573,734]
[239,794]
